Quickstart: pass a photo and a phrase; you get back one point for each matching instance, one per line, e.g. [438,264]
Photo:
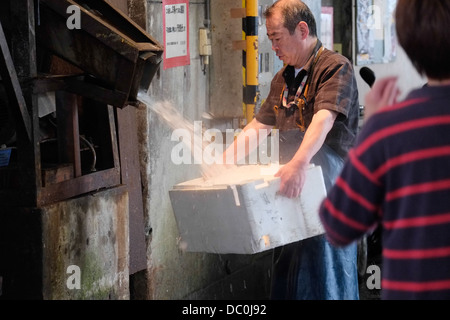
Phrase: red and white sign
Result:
[176,33]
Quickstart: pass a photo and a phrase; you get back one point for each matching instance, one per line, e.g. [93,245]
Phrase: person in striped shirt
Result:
[398,174]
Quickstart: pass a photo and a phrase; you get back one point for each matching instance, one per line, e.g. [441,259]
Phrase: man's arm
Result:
[293,174]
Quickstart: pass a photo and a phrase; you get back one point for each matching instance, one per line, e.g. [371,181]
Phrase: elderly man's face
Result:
[289,48]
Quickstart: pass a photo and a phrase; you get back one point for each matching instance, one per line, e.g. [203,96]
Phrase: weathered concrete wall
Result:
[226,79]
[89,233]
[72,250]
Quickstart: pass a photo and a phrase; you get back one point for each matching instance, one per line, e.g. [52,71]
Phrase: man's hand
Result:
[292,180]
[383,94]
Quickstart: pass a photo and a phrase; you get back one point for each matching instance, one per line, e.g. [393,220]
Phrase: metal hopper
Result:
[116,56]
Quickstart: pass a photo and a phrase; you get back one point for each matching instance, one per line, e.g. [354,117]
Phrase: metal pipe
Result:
[207,21]
[94,154]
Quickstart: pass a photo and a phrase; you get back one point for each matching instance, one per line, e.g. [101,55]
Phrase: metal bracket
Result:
[11,83]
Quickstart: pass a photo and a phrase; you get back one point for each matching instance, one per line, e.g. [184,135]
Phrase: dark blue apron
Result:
[312,269]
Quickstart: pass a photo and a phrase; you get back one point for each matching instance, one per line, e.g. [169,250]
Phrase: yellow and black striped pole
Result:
[250,58]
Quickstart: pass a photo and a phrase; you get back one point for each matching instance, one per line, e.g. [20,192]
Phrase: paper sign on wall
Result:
[176,33]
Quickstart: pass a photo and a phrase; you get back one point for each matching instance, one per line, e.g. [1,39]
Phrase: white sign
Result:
[176,33]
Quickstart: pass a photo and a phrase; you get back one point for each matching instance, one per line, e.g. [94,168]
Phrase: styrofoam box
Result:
[243,213]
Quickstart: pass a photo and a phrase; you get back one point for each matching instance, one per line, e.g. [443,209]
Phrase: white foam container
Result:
[243,213]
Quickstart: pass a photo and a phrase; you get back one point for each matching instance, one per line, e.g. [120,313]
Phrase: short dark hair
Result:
[294,11]
[422,31]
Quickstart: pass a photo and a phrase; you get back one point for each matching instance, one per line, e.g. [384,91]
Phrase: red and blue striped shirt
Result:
[398,176]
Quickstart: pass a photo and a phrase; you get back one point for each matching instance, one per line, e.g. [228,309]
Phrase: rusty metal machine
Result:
[116,56]
[61,95]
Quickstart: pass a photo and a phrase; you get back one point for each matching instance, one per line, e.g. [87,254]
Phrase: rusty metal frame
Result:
[28,190]
[11,82]
[111,38]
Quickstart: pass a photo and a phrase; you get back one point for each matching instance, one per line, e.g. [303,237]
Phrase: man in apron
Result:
[314,103]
